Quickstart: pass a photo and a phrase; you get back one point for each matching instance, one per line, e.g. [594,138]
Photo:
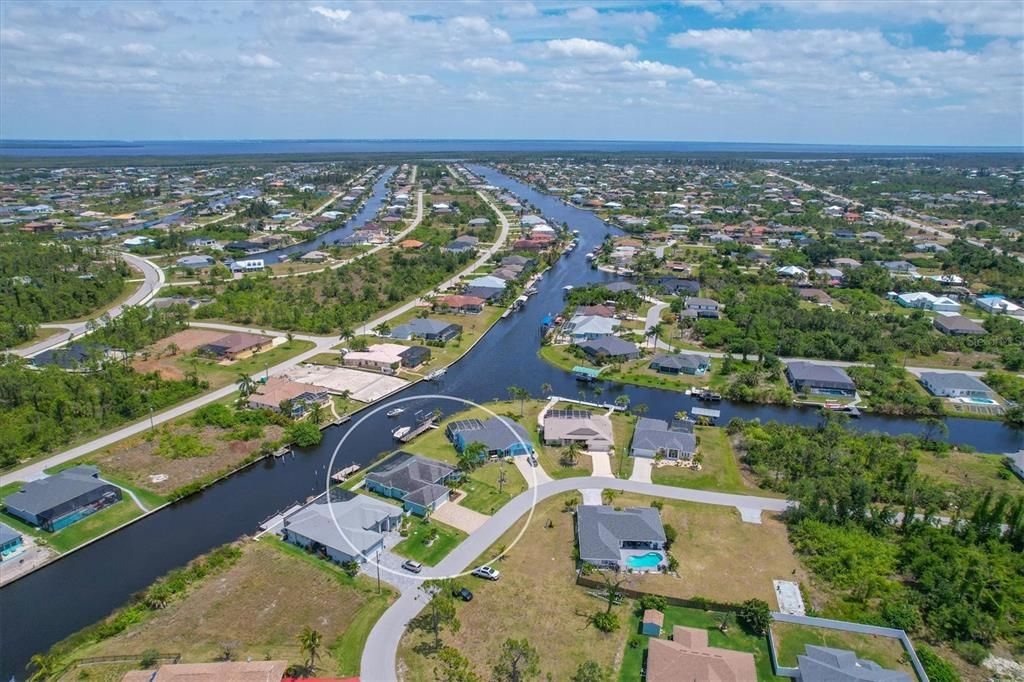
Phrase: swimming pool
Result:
[979,401]
[645,561]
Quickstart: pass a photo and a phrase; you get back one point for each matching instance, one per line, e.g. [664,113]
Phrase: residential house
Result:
[488,294]
[221,671]
[617,539]
[687,656]
[694,306]
[957,325]
[57,501]
[610,348]
[926,301]
[675,286]
[792,271]
[293,398]
[247,265]
[955,385]
[76,356]
[462,244]
[420,483]
[825,664]
[997,305]
[487,281]
[589,327]
[898,266]
[813,296]
[194,262]
[681,363]
[238,346]
[500,436]
[592,431]
[11,542]
[468,305]
[427,329]
[674,440]
[1016,462]
[342,525]
[817,379]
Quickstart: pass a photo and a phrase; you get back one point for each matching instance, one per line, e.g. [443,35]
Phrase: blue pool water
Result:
[982,401]
[649,560]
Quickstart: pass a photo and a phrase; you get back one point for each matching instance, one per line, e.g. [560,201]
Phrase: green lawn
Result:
[222,375]
[791,638]
[414,547]
[93,526]
[720,470]
[970,470]
[482,492]
[734,639]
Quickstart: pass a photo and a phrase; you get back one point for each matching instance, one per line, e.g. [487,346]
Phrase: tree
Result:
[517,662]
[452,666]
[246,386]
[520,394]
[310,641]
[440,613]
[756,616]
[472,455]
[571,454]
[655,333]
[622,401]
[316,413]
[933,428]
[43,667]
[612,590]
[591,671]
[640,410]
[546,388]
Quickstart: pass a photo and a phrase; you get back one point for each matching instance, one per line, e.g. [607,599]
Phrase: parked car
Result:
[532,460]
[463,594]
[486,572]
[412,566]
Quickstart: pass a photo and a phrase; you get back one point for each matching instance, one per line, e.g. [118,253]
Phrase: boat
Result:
[530,291]
[576,232]
[401,432]
[590,256]
[566,289]
[395,412]
[705,394]
[436,374]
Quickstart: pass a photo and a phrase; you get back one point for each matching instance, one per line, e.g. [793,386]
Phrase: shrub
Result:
[304,434]
[652,601]
[605,622]
[214,414]
[658,504]
[351,568]
[972,652]
[635,642]
[901,615]
[937,668]
[149,658]
[756,616]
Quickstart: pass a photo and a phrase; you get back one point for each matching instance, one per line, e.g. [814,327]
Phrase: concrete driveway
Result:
[602,464]
[642,469]
[457,516]
[534,475]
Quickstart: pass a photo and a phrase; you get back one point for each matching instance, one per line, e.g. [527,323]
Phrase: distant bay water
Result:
[151,148]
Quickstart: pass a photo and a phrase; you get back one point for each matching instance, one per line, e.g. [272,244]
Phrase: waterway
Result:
[85,586]
[378,196]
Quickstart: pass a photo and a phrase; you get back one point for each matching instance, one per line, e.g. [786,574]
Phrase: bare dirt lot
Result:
[138,462]
[159,358]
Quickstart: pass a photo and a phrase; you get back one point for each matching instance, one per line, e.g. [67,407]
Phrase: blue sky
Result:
[811,71]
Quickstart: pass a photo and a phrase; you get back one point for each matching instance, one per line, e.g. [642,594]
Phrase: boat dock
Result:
[711,415]
[420,428]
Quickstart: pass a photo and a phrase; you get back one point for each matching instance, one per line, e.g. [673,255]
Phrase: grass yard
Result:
[720,557]
[970,470]
[259,605]
[473,327]
[536,599]
[790,639]
[481,488]
[207,369]
[735,639]
[720,468]
[415,545]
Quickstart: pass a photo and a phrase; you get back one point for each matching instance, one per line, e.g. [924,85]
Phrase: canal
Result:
[88,584]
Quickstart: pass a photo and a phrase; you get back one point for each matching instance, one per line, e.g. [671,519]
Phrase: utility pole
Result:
[378,572]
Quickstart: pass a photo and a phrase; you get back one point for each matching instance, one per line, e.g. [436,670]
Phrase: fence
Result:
[693,603]
[859,628]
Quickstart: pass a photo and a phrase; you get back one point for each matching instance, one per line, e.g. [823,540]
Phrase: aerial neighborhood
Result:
[578,418]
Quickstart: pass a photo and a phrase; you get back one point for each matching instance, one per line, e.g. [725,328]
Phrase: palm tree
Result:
[640,409]
[520,394]
[622,401]
[44,666]
[310,641]
[472,455]
[546,388]
[571,454]
[246,386]
[316,413]
[656,331]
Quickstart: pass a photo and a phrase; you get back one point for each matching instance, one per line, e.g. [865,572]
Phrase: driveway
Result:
[457,516]
[642,469]
[534,475]
[391,571]
[602,464]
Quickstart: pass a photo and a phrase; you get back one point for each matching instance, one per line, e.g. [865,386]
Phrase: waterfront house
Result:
[468,305]
[427,329]
[632,538]
[817,379]
[59,500]
[674,440]
[420,483]
[194,262]
[291,398]
[610,348]
[501,436]
[10,542]
[681,363]
[342,525]
[956,385]
[592,431]
[589,327]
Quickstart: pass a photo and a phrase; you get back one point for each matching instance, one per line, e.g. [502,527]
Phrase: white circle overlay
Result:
[427,569]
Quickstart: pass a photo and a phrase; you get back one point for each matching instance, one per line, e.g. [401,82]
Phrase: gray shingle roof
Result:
[609,345]
[412,473]
[824,664]
[356,515]
[680,360]
[814,373]
[601,530]
[7,534]
[39,496]
[493,433]
[656,434]
[954,381]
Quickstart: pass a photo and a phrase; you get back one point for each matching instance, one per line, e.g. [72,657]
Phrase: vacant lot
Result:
[536,599]
[791,638]
[720,557]
[719,468]
[143,462]
[970,470]
[257,607]
[180,361]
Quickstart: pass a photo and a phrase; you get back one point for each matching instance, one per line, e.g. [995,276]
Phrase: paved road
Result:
[484,257]
[323,345]
[379,657]
[153,280]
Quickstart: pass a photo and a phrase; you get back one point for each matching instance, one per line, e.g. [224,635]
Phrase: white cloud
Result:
[648,69]
[476,28]
[584,48]
[330,13]
[491,66]
[258,61]
[582,15]
[520,10]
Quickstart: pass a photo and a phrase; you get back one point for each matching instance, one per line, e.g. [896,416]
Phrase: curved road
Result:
[379,659]
[154,279]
